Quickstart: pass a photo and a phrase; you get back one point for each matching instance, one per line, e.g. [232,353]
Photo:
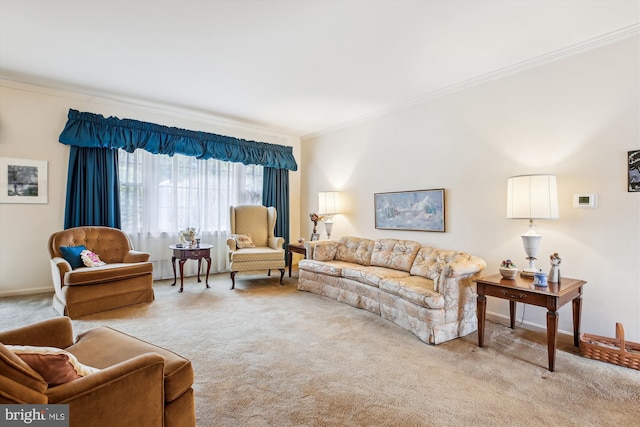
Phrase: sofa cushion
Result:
[325,250]
[393,253]
[371,275]
[73,255]
[330,268]
[17,370]
[56,366]
[355,250]
[415,289]
[90,259]
[243,241]
[257,254]
[103,347]
[107,273]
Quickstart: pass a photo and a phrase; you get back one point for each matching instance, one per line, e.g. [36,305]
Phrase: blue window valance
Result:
[94,130]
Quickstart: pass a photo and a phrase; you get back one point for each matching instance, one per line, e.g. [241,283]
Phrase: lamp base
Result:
[328,226]
[531,243]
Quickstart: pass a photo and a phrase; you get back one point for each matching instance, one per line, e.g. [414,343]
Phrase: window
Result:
[160,195]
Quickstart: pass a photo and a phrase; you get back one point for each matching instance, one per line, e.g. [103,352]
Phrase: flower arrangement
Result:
[508,264]
[188,235]
[315,218]
[508,269]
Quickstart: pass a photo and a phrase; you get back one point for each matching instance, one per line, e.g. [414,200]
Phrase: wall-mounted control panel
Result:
[585,200]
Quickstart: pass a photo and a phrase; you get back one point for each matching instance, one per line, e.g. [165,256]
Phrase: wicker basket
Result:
[612,350]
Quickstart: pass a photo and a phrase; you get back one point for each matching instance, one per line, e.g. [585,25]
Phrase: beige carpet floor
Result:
[268,355]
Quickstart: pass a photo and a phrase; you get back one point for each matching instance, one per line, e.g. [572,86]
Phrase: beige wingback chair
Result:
[125,279]
[261,250]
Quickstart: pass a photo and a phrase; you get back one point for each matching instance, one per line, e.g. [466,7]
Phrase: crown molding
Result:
[273,135]
[602,40]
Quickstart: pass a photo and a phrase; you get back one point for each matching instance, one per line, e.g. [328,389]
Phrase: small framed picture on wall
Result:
[634,171]
[23,180]
[315,236]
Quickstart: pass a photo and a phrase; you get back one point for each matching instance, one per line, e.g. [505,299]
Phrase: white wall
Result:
[576,118]
[31,119]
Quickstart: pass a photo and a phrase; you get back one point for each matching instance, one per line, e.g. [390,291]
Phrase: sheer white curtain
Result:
[160,195]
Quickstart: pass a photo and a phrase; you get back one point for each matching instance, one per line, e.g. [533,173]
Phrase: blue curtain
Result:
[93,188]
[92,184]
[93,130]
[275,192]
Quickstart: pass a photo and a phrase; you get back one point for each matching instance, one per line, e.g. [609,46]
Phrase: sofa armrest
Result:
[321,250]
[464,265]
[276,242]
[56,332]
[310,247]
[59,267]
[15,393]
[133,388]
[231,243]
[136,256]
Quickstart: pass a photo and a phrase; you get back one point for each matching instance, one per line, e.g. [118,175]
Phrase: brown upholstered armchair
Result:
[253,244]
[137,384]
[125,279]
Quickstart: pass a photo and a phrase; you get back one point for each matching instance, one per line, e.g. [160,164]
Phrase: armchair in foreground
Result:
[133,383]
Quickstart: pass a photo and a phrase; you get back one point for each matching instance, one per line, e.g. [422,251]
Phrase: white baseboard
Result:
[31,291]
[529,325]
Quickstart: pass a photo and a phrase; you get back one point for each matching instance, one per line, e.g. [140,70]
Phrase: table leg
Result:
[512,314]
[289,260]
[199,264]
[481,312]
[552,332]
[208,269]
[577,314]
[181,262]
[173,264]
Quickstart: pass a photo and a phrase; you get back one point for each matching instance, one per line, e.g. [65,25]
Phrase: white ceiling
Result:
[298,67]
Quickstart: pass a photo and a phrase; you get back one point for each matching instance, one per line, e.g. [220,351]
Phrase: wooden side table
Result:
[522,290]
[183,254]
[297,248]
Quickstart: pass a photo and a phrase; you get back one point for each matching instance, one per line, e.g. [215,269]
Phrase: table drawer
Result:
[192,253]
[517,295]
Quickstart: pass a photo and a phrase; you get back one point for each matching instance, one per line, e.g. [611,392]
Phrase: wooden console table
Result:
[297,248]
[183,254]
[521,289]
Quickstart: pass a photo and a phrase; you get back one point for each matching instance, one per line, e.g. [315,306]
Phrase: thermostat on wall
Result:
[585,200]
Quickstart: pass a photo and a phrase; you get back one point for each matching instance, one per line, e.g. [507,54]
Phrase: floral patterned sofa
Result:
[427,291]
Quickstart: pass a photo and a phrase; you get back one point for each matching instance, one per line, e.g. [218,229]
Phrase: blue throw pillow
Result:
[72,255]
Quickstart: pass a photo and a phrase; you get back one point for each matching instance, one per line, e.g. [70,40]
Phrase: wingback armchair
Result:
[253,244]
[132,383]
[126,278]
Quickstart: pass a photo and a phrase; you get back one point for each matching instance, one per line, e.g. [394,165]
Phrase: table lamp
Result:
[328,204]
[532,197]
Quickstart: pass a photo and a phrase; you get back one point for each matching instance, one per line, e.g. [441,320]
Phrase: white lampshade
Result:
[328,202]
[532,197]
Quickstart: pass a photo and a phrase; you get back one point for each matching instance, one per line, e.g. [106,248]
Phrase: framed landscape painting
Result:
[421,210]
[23,181]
